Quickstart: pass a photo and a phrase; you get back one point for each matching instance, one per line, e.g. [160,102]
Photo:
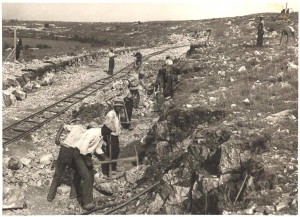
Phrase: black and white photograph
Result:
[149,107]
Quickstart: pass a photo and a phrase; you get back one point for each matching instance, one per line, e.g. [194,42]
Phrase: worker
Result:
[168,61]
[110,131]
[138,60]
[18,48]
[287,31]
[132,98]
[168,78]
[134,90]
[260,32]
[111,63]
[89,143]
[65,156]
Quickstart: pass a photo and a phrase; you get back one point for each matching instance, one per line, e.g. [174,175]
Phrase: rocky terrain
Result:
[226,143]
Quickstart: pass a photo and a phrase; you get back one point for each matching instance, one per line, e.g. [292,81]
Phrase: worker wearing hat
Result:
[138,60]
[90,142]
[168,61]
[260,32]
[133,86]
[110,131]
[111,63]
[65,156]
[132,98]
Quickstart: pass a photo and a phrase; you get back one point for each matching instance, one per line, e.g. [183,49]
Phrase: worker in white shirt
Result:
[287,31]
[111,62]
[110,131]
[168,61]
[65,156]
[90,142]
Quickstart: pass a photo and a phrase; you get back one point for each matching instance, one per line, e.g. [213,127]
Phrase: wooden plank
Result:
[68,101]
[31,121]
[19,130]
[53,111]
[6,138]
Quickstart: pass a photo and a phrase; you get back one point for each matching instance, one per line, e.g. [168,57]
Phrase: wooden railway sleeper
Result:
[19,130]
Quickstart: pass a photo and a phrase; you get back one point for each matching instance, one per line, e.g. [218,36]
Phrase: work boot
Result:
[130,128]
[89,206]
[50,199]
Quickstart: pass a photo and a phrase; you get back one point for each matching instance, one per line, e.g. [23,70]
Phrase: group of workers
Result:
[287,32]
[102,141]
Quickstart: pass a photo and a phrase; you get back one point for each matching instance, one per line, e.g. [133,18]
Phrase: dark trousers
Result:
[115,148]
[136,98]
[18,52]
[64,159]
[137,65]
[129,106]
[85,175]
[111,66]
[260,38]
[168,90]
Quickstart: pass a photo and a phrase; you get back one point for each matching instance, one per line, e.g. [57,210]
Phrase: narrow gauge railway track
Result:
[35,121]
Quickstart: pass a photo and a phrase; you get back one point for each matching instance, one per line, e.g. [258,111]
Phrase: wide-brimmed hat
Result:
[92,125]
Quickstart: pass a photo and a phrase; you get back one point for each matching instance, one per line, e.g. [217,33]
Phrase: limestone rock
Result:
[281,205]
[161,130]
[20,95]
[270,209]
[242,69]
[107,187]
[291,66]
[25,161]
[14,164]
[28,87]
[274,118]
[13,197]
[135,174]
[250,210]
[63,189]
[8,98]
[209,183]
[162,148]
[46,159]
[230,156]
[155,205]
[47,80]
[178,196]
[257,53]
[35,85]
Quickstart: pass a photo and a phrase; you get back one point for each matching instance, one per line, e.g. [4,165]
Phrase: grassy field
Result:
[69,37]
[56,48]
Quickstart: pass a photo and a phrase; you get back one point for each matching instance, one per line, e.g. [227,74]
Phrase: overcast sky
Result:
[128,11]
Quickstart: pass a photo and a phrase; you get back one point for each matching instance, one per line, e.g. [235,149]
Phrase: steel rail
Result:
[64,104]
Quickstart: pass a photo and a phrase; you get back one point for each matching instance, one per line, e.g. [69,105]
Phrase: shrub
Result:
[42,46]
[26,47]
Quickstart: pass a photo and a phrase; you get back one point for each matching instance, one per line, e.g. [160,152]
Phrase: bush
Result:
[26,47]
[43,46]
